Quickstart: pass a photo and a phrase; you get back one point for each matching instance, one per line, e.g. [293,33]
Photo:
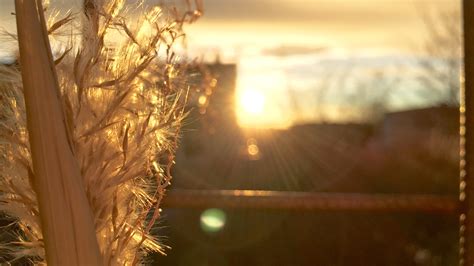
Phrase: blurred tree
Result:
[440,67]
[370,97]
[358,100]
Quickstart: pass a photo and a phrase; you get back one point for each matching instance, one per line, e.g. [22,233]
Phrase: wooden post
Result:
[466,187]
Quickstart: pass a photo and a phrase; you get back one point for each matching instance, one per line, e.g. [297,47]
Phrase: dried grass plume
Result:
[122,91]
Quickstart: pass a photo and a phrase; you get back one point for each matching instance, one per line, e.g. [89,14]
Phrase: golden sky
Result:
[228,25]
[273,40]
[347,24]
[354,22]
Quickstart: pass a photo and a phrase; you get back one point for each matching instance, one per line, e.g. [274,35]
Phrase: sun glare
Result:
[260,100]
[252,102]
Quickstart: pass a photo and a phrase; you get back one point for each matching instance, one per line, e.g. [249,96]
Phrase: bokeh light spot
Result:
[253,150]
[213,220]
[202,100]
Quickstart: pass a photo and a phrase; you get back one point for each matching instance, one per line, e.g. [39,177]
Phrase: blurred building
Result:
[419,124]
[396,155]
[216,153]
[208,137]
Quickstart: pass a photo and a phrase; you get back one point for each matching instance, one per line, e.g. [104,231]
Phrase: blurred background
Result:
[319,96]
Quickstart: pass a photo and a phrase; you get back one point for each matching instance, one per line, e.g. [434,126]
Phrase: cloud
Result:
[285,50]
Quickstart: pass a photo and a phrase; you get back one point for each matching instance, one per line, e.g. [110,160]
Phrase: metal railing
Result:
[310,201]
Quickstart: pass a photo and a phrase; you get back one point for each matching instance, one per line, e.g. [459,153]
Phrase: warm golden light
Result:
[252,102]
[259,103]
[202,100]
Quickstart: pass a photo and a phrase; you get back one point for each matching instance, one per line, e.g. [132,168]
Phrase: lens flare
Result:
[252,102]
[213,220]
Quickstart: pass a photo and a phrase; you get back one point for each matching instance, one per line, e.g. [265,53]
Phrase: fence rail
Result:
[310,201]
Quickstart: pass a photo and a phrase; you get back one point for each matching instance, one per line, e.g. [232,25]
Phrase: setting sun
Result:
[252,102]
[256,106]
